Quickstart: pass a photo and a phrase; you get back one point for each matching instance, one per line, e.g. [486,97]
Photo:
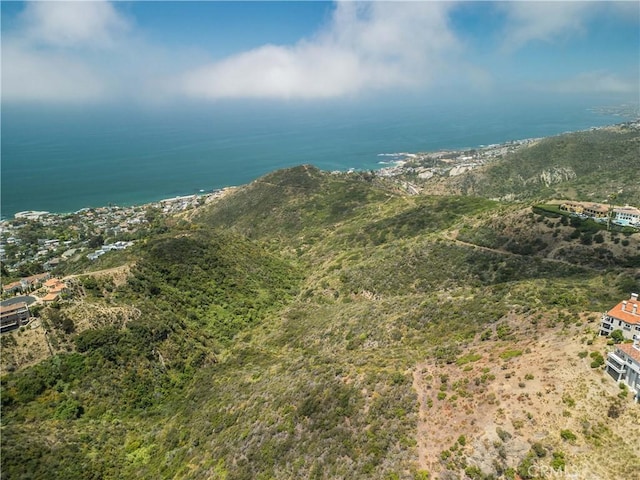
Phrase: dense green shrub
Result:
[598,359]
[617,336]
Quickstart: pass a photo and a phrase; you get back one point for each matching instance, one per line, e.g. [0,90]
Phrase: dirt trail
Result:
[119,274]
[452,236]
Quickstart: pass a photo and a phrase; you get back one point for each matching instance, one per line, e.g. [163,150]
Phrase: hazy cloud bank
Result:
[365,46]
[92,52]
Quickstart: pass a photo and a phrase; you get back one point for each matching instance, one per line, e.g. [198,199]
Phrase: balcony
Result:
[616,363]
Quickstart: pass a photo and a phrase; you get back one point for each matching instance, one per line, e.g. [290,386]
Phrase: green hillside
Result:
[284,203]
[313,325]
[588,165]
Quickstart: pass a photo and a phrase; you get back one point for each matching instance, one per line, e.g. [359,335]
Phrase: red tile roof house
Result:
[25,283]
[623,364]
[12,287]
[624,316]
[54,287]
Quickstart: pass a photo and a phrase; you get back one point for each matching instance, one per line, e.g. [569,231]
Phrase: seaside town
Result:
[34,242]
[449,163]
[36,245]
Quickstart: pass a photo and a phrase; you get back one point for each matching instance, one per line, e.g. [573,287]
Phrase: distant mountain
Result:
[589,165]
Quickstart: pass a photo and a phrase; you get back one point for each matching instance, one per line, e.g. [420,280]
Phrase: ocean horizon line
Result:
[379,165]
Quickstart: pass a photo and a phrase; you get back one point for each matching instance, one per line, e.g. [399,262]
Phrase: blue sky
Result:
[88,53]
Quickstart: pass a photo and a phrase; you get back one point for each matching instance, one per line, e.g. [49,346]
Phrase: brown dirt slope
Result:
[506,399]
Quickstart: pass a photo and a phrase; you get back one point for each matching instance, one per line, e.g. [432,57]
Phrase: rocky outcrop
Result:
[556,175]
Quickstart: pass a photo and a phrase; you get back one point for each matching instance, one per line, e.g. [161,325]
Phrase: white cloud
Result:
[365,46]
[67,24]
[273,71]
[52,56]
[543,21]
[90,51]
[32,76]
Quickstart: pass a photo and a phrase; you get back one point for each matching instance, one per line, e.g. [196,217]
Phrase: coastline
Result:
[64,236]
[384,164]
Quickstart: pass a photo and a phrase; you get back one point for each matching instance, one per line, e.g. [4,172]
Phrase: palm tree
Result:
[611,197]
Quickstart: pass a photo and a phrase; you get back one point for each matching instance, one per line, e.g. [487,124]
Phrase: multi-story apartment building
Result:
[623,364]
[12,316]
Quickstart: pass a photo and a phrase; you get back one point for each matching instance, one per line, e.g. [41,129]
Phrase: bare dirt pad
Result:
[24,347]
[487,410]
[95,315]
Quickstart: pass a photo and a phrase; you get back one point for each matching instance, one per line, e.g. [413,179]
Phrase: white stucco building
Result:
[627,215]
[624,316]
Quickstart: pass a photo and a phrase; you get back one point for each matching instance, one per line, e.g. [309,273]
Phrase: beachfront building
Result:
[30,215]
[14,315]
[623,364]
[625,316]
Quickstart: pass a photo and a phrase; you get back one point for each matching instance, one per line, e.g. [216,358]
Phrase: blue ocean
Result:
[61,160]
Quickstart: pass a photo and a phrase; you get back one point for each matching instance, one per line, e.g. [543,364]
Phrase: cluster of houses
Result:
[178,204]
[120,245]
[15,312]
[623,363]
[68,233]
[26,284]
[445,163]
[624,216]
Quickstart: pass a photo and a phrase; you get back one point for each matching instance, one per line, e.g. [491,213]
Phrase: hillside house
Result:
[627,215]
[596,210]
[25,284]
[624,316]
[623,364]
[573,207]
[13,287]
[12,316]
[55,288]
